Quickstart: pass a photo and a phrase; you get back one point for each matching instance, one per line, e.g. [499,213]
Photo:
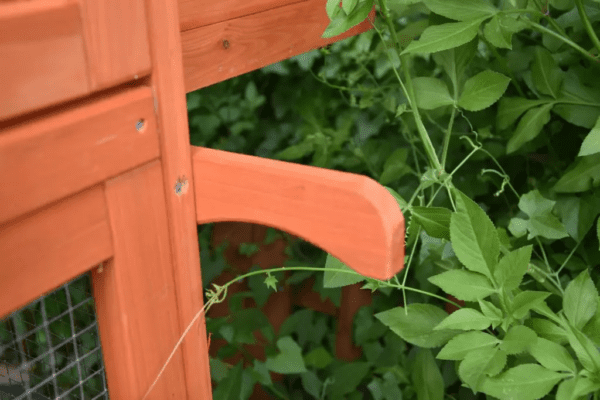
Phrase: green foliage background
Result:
[482,118]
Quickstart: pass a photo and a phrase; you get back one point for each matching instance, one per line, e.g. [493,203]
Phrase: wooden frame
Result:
[97,167]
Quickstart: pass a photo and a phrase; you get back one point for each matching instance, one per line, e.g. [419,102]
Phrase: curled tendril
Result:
[213,295]
[505,180]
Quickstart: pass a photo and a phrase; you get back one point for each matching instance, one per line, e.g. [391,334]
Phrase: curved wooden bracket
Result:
[350,216]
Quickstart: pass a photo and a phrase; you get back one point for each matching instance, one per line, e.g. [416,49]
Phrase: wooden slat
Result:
[135,293]
[42,56]
[116,40]
[167,81]
[255,41]
[350,216]
[48,159]
[51,247]
[197,13]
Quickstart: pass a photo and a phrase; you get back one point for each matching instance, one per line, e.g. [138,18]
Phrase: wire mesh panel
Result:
[50,349]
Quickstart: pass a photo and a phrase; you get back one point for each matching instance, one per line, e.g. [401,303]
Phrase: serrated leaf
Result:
[585,349]
[289,360]
[465,319]
[547,330]
[583,175]
[271,281]
[431,93]
[545,73]
[517,339]
[455,60]
[523,382]
[496,34]
[416,327]
[334,279]
[435,220]
[580,300]
[348,5]
[491,311]
[552,355]
[464,285]
[461,10]
[477,363]
[483,90]
[395,166]
[342,22]
[574,389]
[529,127]
[444,37]
[427,377]
[474,238]
[458,347]
[512,267]
[511,108]
[591,143]
[525,301]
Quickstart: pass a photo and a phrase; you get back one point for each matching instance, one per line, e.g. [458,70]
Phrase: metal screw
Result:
[225,44]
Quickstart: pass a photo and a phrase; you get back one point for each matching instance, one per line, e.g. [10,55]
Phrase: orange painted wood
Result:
[51,247]
[42,56]
[116,39]
[135,293]
[197,13]
[167,83]
[226,49]
[50,158]
[348,215]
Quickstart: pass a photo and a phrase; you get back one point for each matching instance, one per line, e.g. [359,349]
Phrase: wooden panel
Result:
[51,247]
[197,13]
[135,292]
[48,159]
[221,51]
[116,40]
[350,216]
[167,81]
[42,56]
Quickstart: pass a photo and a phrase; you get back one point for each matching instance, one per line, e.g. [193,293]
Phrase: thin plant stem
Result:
[588,25]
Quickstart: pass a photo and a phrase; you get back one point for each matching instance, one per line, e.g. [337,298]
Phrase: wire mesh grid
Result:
[50,349]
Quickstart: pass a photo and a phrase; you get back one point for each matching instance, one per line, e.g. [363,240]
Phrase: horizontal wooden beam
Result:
[220,51]
[350,216]
[51,247]
[53,157]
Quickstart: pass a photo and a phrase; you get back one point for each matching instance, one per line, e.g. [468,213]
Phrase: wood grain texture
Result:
[116,39]
[197,13]
[135,293]
[255,41]
[51,247]
[167,83]
[350,216]
[50,158]
[42,56]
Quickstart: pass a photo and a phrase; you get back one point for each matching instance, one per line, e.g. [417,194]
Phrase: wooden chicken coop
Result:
[96,168]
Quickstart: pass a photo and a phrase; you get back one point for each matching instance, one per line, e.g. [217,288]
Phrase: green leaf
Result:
[465,319]
[296,151]
[511,108]
[319,358]
[483,90]
[496,34]
[464,285]
[461,10]
[541,220]
[416,326]
[478,363]
[547,330]
[512,267]
[333,279]
[545,73]
[455,60]
[431,93]
[598,231]
[271,281]
[517,339]
[311,384]
[347,377]
[585,349]
[525,301]
[529,127]
[435,220]
[474,238]
[333,8]
[552,355]
[591,143]
[395,166]
[523,382]
[289,360]
[574,389]
[458,347]
[229,388]
[444,37]
[583,174]
[426,376]
[342,22]
[491,311]
[401,202]
[580,300]
[577,214]
[348,5]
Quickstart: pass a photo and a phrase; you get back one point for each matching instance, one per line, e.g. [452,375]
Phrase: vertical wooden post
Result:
[168,85]
[135,292]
